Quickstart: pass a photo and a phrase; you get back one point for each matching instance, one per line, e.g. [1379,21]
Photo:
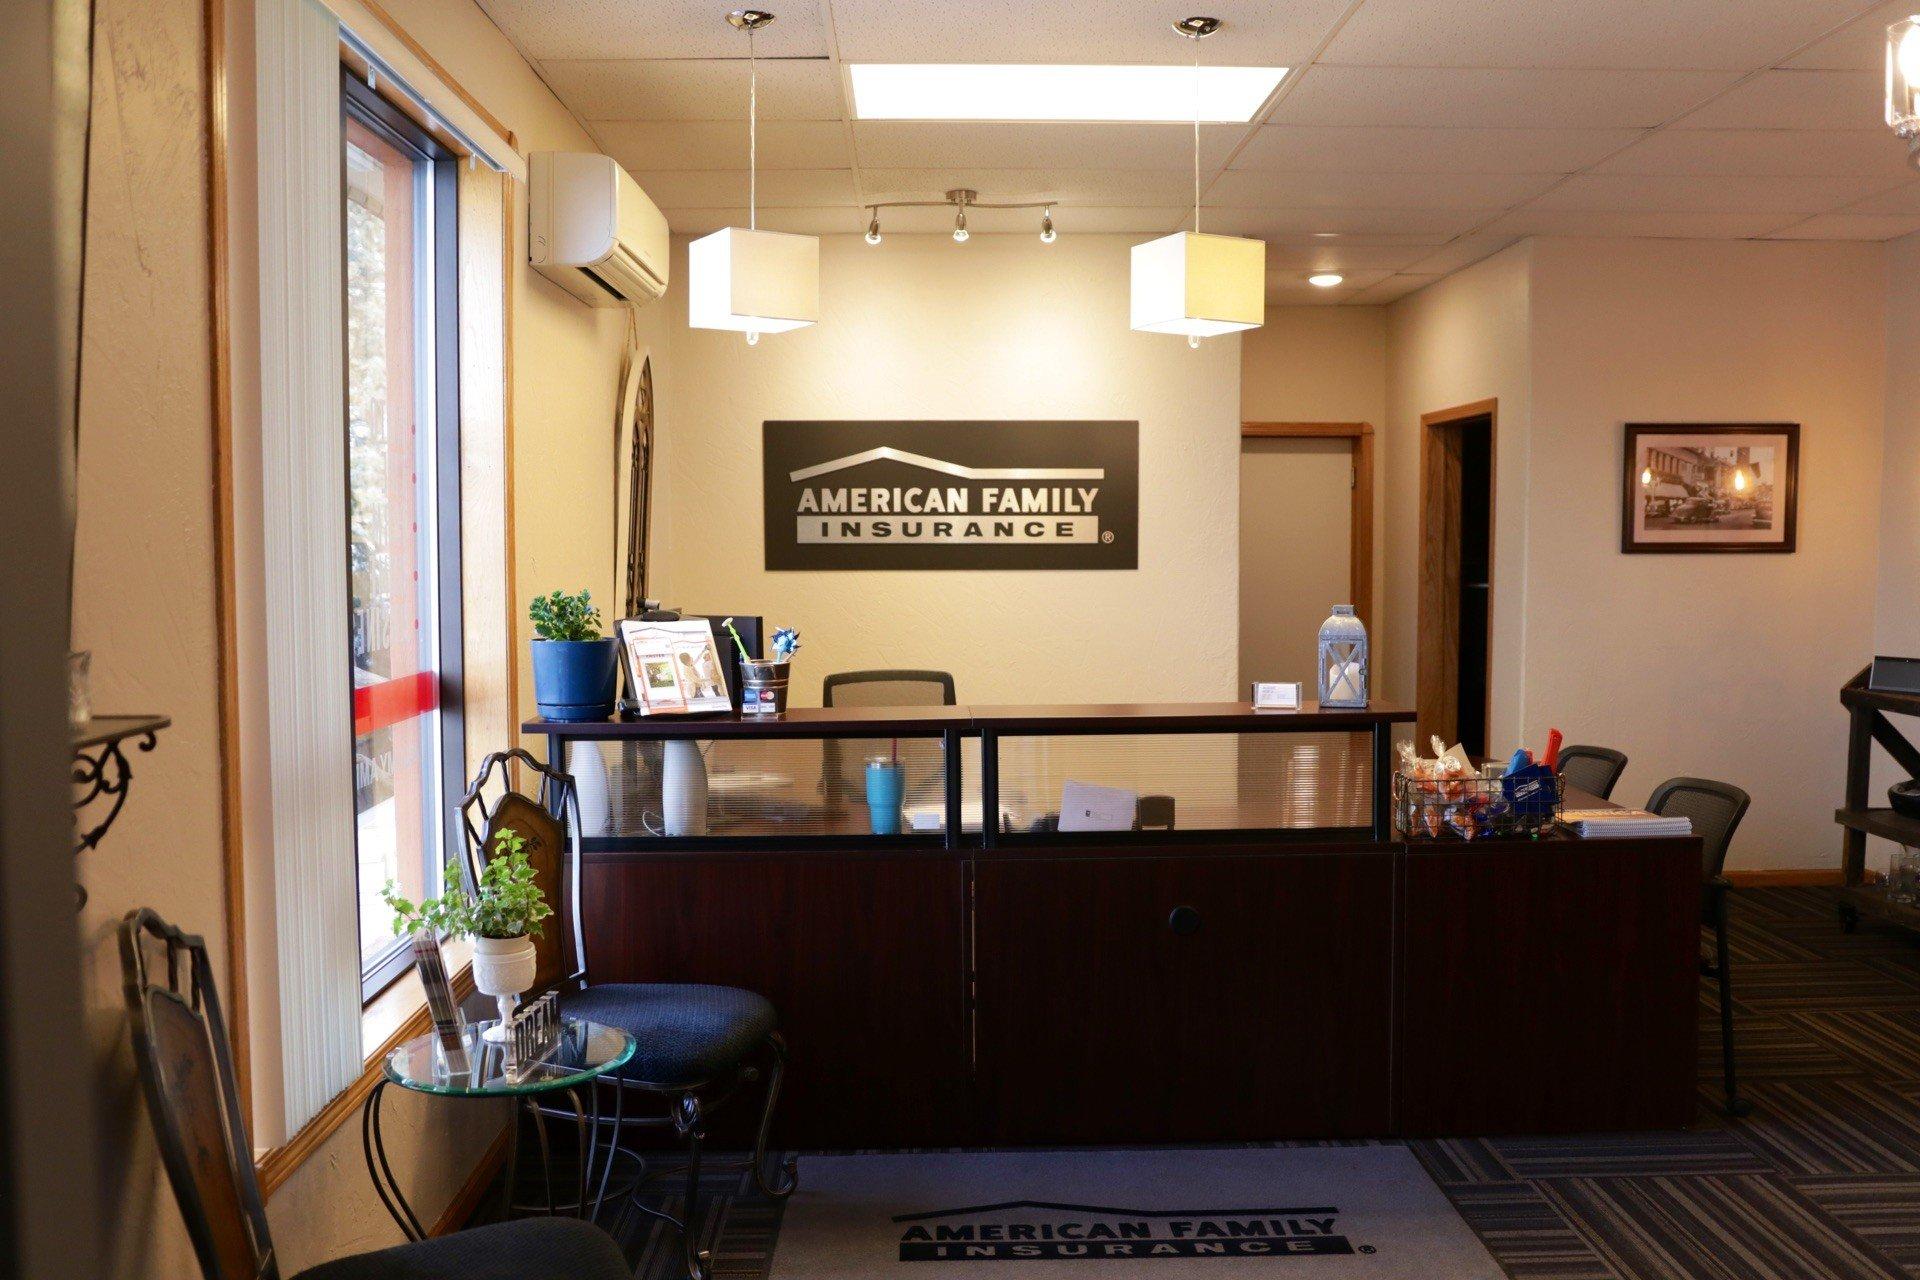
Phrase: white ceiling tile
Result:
[1735,35]
[1163,187]
[1495,98]
[1426,240]
[1851,226]
[912,144]
[1394,287]
[1295,148]
[1244,188]
[1797,100]
[653,29]
[1068,220]
[719,188]
[1456,254]
[1903,198]
[1798,152]
[695,89]
[1859,46]
[1535,221]
[1705,193]
[722,144]
[1336,255]
[1290,224]
[846,220]
[1254,32]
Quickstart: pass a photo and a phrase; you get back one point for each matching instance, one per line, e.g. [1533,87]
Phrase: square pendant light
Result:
[1199,285]
[753,281]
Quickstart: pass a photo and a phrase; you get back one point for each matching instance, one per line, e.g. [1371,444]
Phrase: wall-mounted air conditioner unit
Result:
[592,230]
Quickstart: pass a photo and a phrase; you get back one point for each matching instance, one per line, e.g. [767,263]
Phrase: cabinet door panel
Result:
[1550,987]
[1099,1021]
[863,958]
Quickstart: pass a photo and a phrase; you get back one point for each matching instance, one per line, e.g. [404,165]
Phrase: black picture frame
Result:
[1701,496]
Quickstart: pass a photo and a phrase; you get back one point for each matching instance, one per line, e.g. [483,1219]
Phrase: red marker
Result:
[1552,759]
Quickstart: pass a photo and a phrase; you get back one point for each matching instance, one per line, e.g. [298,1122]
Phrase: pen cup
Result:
[886,788]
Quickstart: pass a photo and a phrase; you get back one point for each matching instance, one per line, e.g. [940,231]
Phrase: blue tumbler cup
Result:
[886,788]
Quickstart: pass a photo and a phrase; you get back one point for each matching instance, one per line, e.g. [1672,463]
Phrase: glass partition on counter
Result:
[1189,782]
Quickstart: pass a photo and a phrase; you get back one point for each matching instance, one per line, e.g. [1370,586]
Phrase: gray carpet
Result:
[1821,1182]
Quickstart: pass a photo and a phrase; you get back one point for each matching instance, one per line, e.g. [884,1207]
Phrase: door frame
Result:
[1359,435]
[1436,681]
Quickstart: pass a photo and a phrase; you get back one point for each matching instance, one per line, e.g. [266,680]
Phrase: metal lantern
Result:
[1343,659]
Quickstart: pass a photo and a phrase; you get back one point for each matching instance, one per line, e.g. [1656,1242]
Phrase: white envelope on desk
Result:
[1085,807]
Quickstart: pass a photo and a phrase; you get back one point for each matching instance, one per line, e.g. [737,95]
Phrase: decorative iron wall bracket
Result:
[101,771]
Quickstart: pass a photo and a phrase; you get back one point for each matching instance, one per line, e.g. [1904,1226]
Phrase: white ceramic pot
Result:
[683,789]
[503,968]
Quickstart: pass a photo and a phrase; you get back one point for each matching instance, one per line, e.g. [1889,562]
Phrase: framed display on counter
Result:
[673,668]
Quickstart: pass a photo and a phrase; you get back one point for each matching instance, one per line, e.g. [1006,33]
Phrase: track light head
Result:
[960,232]
[1047,233]
[873,228]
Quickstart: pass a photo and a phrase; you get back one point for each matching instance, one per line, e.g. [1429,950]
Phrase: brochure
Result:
[673,668]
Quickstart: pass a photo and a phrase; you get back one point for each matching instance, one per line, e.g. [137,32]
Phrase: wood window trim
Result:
[1438,592]
[1360,532]
[274,1167]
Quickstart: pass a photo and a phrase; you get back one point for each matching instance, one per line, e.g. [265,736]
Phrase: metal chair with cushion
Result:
[1716,809]
[186,1068]
[696,1045]
[1594,770]
[885,688]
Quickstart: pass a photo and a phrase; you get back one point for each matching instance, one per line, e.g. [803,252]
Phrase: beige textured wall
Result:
[1004,327]
[143,597]
[1727,666]
[1462,339]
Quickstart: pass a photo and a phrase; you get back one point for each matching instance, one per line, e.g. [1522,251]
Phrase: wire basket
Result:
[1475,808]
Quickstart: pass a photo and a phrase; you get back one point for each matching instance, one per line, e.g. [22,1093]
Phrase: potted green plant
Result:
[503,918]
[574,667]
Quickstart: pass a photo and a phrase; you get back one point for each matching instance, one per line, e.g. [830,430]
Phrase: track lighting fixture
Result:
[961,199]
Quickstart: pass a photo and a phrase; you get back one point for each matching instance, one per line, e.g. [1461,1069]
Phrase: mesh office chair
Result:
[186,1068]
[696,1044]
[1593,770]
[892,688]
[1716,809]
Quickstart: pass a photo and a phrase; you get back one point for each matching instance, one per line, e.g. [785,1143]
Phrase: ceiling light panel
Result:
[1008,91]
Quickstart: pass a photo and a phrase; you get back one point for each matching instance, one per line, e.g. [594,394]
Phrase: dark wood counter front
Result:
[1238,983]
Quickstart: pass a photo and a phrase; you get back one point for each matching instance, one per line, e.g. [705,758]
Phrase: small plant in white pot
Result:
[502,918]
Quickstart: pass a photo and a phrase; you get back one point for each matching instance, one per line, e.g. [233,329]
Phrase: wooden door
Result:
[1100,1019]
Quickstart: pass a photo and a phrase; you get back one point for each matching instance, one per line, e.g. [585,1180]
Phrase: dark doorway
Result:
[1456,574]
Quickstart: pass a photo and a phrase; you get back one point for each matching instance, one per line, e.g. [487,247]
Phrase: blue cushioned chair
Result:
[186,1067]
[695,1045]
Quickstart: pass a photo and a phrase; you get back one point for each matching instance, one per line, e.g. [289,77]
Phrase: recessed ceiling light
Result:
[1325,279]
[1000,91]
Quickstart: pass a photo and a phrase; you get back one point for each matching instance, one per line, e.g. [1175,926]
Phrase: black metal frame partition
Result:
[989,725]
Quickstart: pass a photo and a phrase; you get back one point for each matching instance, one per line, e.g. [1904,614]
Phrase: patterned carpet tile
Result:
[1826,984]
[1714,1228]
[1885,1212]
[1601,1155]
[1461,1161]
[1776,1047]
[1838,1126]
[1884,1043]
[1525,1233]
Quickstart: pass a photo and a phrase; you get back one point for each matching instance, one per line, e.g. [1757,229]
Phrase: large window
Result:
[403,506]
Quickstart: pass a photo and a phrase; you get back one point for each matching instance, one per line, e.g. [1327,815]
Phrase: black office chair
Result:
[186,1068]
[889,688]
[696,1045]
[1716,809]
[1593,770]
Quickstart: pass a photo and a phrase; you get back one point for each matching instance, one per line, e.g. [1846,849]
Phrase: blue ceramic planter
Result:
[575,679]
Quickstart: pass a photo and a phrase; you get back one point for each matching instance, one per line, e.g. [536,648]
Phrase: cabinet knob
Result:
[1184,921]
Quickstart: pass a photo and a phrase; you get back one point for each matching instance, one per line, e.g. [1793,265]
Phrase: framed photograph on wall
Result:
[1693,487]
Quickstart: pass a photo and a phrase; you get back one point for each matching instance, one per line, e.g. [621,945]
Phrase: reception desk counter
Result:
[1270,961]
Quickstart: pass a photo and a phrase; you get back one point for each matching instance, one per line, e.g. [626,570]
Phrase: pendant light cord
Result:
[753,137]
[1196,135]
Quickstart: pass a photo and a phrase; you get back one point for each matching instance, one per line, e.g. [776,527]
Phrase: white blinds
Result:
[304,540]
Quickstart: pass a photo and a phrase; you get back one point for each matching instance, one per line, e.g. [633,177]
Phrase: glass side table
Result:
[587,1051]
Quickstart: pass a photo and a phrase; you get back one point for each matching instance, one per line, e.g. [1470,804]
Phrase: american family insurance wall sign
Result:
[952,495]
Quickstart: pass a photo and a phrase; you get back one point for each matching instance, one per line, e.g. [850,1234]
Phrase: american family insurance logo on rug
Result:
[1025,1230]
